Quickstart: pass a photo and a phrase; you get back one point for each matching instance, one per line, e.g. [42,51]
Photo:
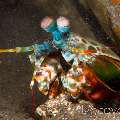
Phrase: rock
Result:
[113,9]
[100,12]
[108,14]
[61,109]
[116,1]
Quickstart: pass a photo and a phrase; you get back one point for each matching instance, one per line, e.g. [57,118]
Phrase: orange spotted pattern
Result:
[116,1]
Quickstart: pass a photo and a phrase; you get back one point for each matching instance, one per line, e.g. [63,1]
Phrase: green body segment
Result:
[107,72]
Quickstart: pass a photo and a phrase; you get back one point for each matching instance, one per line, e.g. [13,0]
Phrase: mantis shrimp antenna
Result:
[7,50]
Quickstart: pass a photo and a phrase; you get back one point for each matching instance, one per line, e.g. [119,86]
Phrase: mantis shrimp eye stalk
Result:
[48,24]
[63,24]
[63,21]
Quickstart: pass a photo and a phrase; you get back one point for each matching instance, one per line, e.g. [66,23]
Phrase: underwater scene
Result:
[59,59]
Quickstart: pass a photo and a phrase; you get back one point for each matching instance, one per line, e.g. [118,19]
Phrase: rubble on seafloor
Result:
[62,109]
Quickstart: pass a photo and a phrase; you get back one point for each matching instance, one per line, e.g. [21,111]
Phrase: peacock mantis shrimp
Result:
[70,64]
